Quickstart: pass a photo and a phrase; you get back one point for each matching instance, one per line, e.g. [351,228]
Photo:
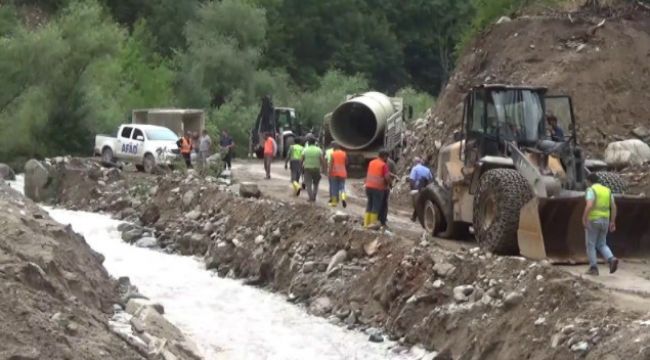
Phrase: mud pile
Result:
[603,68]
[55,297]
[464,304]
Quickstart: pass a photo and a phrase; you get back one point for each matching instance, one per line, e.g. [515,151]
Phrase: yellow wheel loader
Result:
[519,183]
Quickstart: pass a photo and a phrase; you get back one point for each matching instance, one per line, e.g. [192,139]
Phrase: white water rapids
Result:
[227,319]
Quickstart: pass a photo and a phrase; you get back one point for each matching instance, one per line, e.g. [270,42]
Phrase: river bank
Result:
[461,304]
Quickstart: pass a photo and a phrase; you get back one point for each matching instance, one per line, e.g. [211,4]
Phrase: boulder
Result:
[7,173]
[627,152]
[249,190]
[188,199]
[336,260]
[147,242]
[132,235]
[321,306]
[150,215]
[642,133]
[38,182]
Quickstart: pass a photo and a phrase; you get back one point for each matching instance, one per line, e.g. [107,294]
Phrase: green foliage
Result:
[222,55]
[70,79]
[312,106]
[237,115]
[420,101]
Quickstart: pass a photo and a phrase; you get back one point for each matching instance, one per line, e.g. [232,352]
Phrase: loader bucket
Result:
[552,229]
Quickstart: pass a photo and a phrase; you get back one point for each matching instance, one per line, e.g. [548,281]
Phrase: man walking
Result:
[312,163]
[270,147]
[383,213]
[337,173]
[185,146]
[227,145]
[419,178]
[205,148]
[377,181]
[599,218]
[294,159]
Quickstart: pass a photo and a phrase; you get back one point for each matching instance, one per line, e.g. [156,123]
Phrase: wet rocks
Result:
[146,242]
[150,215]
[249,190]
[321,306]
[7,173]
[37,181]
[340,217]
[132,235]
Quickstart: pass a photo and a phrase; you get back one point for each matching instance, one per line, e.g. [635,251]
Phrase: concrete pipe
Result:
[359,122]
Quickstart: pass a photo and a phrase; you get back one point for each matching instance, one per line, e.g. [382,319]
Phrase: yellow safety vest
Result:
[296,152]
[602,202]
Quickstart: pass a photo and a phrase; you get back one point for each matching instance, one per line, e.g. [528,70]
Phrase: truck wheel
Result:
[149,163]
[613,181]
[500,196]
[432,219]
[107,156]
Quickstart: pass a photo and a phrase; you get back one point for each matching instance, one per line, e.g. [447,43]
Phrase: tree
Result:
[222,56]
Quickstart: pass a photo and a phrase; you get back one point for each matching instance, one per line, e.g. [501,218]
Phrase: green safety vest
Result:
[296,151]
[602,202]
[328,155]
[312,156]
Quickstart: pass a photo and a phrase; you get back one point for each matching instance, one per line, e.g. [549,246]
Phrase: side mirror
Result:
[139,138]
[458,136]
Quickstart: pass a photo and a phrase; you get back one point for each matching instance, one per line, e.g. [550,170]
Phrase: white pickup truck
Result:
[144,145]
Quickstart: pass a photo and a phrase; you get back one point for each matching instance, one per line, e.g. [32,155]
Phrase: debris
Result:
[249,190]
[371,248]
[581,346]
[336,260]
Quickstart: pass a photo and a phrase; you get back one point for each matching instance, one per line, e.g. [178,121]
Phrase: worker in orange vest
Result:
[185,146]
[338,172]
[378,180]
[270,148]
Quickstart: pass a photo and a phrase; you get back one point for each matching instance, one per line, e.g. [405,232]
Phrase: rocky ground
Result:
[462,304]
[598,57]
[58,302]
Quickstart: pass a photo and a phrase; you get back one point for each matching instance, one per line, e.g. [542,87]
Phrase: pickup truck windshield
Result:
[161,134]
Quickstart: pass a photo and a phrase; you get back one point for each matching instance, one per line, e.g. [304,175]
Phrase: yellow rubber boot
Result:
[366,219]
[333,202]
[344,199]
[373,221]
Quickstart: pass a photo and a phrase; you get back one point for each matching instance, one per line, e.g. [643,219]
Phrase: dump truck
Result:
[518,190]
[365,123]
[279,121]
[177,120]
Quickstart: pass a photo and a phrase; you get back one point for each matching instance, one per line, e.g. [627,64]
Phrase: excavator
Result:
[520,190]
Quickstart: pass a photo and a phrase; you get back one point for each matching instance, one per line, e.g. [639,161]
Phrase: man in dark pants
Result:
[383,214]
[185,146]
[377,181]
[227,144]
[313,162]
[294,162]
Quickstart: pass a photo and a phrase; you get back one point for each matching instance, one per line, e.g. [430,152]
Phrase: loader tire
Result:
[613,181]
[500,196]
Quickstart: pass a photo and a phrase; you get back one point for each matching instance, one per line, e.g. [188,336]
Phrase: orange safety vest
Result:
[338,164]
[186,145]
[375,178]
[268,147]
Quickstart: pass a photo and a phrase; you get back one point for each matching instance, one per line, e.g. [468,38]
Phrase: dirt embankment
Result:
[465,305]
[55,296]
[604,69]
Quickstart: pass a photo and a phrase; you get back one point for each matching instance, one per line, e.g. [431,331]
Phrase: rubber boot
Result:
[373,221]
[333,202]
[366,219]
[296,187]
[344,199]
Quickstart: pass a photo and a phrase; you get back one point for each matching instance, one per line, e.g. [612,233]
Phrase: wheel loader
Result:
[518,190]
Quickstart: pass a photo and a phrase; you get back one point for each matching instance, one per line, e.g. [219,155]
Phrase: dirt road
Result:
[632,279]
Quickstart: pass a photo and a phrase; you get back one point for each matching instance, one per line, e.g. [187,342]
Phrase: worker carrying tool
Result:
[293,161]
[377,181]
[599,218]
[338,173]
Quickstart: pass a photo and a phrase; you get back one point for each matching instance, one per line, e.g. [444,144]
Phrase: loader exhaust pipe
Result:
[359,122]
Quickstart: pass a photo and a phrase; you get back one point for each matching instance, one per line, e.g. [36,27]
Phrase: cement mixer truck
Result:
[364,124]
